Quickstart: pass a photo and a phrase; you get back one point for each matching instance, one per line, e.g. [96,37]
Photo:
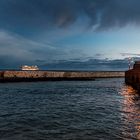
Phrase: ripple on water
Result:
[100,109]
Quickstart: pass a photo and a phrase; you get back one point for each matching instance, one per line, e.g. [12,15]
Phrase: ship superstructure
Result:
[25,67]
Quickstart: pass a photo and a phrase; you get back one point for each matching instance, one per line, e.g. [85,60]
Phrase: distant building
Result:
[25,67]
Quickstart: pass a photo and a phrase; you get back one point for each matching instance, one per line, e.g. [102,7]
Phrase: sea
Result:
[103,109]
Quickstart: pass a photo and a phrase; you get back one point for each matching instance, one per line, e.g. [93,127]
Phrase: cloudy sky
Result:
[48,31]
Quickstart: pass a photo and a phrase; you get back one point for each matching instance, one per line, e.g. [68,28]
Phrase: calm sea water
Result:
[104,109]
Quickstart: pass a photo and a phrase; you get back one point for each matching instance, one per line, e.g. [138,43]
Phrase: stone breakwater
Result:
[132,76]
[56,75]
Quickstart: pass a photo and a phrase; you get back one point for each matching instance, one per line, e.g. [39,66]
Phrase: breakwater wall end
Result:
[1,74]
[133,78]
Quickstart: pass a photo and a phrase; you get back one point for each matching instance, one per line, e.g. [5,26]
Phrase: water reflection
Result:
[130,113]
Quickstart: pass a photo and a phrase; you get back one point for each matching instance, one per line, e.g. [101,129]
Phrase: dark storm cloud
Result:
[40,14]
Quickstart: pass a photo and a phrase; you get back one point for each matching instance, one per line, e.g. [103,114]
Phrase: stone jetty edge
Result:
[17,76]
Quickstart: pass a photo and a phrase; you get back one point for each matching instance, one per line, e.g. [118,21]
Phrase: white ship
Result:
[25,67]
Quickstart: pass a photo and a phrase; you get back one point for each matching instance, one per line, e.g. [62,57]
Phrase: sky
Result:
[51,31]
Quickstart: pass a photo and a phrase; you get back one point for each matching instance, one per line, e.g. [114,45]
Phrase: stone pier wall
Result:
[58,75]
[132,77]
[37,74]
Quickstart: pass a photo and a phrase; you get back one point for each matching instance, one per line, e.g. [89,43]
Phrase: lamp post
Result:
[129,63]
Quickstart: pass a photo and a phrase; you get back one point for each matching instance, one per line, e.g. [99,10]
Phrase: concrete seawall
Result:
[56,75]
[133,78]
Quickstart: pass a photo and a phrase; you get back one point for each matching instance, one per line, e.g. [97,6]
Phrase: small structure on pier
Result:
[132,76]
[25,67]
